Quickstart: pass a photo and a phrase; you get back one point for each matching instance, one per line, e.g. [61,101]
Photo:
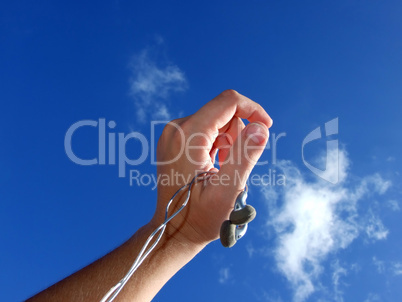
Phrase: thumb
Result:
[242,157]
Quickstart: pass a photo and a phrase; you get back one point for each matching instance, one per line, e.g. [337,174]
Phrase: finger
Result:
[212,154]
[244,154]
[227,136]
[218,112]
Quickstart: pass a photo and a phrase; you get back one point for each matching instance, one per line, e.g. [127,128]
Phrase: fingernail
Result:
[257,133]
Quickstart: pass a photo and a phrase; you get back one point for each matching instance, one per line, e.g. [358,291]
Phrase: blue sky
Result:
[305,62]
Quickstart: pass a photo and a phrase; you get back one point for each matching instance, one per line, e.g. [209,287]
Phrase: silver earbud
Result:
[231,230]
[235,228]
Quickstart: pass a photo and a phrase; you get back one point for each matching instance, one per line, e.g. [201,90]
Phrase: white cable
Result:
[115,290]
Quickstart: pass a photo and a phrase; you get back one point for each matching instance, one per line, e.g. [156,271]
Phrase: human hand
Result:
[189,146]
[216,126]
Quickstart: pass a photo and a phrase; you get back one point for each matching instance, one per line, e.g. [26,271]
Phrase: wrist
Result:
[176,236]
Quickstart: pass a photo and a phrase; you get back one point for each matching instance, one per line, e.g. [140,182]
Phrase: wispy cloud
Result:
[250,249]
[372,298]
[375,229]
[224,275]
[388,267]
[152,82]
[397,268]
[393,205]
[313,219]
[338,272]
[390,158]
[380,265]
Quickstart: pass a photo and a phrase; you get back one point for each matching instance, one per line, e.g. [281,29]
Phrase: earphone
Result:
[231,230]
[235,228]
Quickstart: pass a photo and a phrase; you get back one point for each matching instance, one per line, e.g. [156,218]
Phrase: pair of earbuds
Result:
[235,228]
[231,230]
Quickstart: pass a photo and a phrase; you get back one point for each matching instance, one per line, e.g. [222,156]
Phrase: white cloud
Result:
[152,82]
[162,113]
[393,205]
[355,267]
[315,219]
[375,228]
[250,250]
[372,298]
[380,265]
[224,275]
[388,267]
[338,272]
[397,268]
[371,184]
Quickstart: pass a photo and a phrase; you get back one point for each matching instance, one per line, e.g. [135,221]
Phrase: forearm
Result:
[94,281]
[214,126]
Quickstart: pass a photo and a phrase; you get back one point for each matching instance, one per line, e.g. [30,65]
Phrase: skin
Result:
[216,126]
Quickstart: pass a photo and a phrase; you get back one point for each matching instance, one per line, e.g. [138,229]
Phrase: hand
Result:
[189,145]
[216,126]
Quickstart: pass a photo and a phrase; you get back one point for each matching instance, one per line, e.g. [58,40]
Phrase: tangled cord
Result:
[115,290]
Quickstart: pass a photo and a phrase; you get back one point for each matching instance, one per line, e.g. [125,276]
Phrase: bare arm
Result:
[216,126]
[93,282]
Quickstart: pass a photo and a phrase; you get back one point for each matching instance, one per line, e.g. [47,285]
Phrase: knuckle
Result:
[185,127]
[230,93]
[175,132]
[185,123]
[177,137]
[170,134]
[230,96]
[171,127]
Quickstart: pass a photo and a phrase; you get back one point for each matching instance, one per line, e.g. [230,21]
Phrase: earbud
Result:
[242,216]
[227,234]
[235,228]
